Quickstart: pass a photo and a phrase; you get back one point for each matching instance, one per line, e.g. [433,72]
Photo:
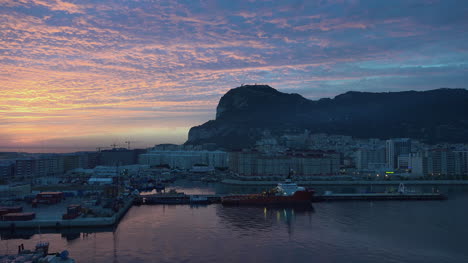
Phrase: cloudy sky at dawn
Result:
[81,74]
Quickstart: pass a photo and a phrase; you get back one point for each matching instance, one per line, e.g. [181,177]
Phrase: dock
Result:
[312,183]
[178,198]
[56,222]
[379,197]
[216,198]
[59,223]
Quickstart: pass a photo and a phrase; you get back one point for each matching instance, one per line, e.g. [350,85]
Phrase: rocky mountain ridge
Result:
[244,113]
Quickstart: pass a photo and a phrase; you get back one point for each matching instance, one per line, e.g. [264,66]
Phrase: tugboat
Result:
[284,194]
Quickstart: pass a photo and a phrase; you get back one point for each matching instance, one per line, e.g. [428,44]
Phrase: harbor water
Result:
[354,231]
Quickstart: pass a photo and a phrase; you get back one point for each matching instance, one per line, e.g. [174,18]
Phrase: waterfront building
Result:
[394,148]
[48,166]
[441,162]
[25,167]
[367,157]
[175,159]
[403,161]
[417,163]
[461,162]
[119,156]
[272,165]
[184,159]
[307,163]
[6,168]
[247,164]
[71,161]
[311,163]
[38,166]
[89,160]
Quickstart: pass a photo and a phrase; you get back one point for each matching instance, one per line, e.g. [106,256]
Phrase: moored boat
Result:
[285,194]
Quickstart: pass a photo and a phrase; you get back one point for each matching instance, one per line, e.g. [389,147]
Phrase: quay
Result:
[350,183]
[178,198]
[49,218]
[55,220]
[379,197]
[216,198]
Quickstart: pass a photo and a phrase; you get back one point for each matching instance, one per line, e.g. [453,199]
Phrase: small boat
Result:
[284,194]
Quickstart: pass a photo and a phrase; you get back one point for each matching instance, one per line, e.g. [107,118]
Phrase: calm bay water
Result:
[394,231]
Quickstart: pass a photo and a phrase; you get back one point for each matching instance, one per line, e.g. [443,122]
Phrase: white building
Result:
[184,159]
[439,162]
[307,163]
[396,147]
[417,164]
[368,157]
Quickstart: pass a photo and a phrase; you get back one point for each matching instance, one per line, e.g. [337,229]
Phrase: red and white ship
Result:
[285,194]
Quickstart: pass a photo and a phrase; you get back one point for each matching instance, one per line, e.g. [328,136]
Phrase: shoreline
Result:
[360,182]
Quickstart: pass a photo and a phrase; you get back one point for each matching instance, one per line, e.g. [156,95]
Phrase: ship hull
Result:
[299,198]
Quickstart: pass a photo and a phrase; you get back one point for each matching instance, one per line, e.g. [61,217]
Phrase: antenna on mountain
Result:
[242,85]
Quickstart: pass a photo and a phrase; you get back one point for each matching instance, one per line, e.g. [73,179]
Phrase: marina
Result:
[286,201]
[50,213]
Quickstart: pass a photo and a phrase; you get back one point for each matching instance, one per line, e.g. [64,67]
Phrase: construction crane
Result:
[128,143]
[101,147]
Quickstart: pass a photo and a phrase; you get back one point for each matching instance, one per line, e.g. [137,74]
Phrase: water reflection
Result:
[260,219]
[363,232]
[70,234]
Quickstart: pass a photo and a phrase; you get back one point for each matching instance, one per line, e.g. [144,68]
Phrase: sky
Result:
[76,75]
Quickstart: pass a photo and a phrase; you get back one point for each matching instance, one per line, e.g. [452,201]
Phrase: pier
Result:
[379,197]
[216,198]
[179,198]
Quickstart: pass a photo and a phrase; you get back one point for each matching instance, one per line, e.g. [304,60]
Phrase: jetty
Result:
[178,198]
[378,197]
[402,194]
[346,182]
